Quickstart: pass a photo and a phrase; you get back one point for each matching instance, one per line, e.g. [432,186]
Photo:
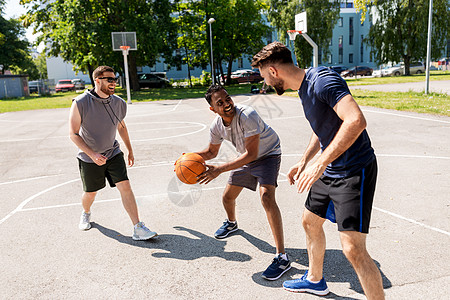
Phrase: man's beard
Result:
[278,85]
[106,90]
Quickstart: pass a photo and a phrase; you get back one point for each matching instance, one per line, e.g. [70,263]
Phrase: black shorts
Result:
[93,176]
[352,198]
[263,171]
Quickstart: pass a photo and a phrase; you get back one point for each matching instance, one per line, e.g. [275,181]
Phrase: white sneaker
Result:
[141,232]
[85,221]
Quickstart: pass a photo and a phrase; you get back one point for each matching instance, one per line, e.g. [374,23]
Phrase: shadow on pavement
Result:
[179,246]
[336,267]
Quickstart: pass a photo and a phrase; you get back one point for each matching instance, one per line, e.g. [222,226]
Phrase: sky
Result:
[13,10]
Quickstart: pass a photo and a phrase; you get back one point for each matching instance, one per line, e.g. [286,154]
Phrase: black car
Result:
[338,69]
[152,81]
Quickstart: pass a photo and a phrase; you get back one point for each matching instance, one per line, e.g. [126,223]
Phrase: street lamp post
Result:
[210,21]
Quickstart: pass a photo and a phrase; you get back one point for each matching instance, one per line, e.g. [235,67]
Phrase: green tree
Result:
[41,65]
[239,29]
[191,38]
[400,29]
[80,31]
[322,16]
[14,48]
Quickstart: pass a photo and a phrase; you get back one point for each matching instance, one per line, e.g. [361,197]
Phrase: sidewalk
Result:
[442,87]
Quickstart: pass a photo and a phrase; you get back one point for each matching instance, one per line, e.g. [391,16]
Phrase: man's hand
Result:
[99,159]
[295,171]
[130,159]
[211,173]
[309,176]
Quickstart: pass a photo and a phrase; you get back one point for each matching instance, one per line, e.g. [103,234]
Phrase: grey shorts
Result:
[263,171]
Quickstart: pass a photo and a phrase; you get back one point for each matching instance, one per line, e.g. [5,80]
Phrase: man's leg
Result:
[128,200]
[273,215]
[87,199]
[315,243]
[229,200]
[354,248]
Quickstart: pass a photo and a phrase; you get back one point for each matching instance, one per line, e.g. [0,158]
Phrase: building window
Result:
[341,49]
[340,22]
[350,58]
[330,58]
[350,31]
[240,63]
[139,69]
[166,67]
[153,68]
[361,54]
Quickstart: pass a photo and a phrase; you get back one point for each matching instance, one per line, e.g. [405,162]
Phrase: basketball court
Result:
[44,254]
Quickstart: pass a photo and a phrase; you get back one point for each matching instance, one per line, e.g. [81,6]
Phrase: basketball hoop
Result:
[293,34]
[125,49]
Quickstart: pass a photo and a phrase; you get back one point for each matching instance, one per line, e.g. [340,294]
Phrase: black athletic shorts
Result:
[352,198]
[93,176]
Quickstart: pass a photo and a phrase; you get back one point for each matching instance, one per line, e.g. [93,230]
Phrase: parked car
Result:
[359,70]
[416,68]
[399,69]
[64,85]
[79,84]
[152,80]
[248,76]
[37,86]
[339,69]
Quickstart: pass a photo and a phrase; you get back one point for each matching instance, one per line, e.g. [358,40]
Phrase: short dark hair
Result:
[275,52]
[100,70]
[214,88]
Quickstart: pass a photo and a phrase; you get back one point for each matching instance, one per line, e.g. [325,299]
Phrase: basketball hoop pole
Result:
[127,79]
[293,34]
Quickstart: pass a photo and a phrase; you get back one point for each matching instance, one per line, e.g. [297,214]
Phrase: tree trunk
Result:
[407,62]
[90,71]
[132,72]
[188,66]
[230,66]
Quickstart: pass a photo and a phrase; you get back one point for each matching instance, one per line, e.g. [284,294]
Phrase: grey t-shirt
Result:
[246,122]
[99,120]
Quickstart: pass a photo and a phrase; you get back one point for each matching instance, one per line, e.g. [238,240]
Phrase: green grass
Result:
[432,103]
[411,101]
[434,75]
[61,100]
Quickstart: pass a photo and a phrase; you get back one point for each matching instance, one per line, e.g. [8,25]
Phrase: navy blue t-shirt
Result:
[320,91]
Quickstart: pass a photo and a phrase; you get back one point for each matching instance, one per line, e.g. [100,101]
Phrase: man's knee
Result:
[311,222]
[268,198]
[90,195]
[354,250]
[124,186]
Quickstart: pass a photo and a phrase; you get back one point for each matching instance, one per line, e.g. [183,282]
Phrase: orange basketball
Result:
[189,166]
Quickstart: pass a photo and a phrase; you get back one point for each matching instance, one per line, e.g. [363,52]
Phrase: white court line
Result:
[27,179]
[26,201]
[412,221]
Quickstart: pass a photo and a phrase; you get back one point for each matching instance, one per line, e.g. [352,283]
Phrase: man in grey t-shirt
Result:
[95,117]
[259,162]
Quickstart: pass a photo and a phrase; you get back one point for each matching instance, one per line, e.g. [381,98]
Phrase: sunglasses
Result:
[110,79]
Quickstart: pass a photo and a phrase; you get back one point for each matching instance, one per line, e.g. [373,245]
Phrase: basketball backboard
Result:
[123,39]
[300,22]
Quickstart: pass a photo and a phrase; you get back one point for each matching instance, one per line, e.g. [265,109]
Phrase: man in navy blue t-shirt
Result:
[344,175]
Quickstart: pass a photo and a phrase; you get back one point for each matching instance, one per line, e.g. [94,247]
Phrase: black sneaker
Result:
[225,229]
[278,267]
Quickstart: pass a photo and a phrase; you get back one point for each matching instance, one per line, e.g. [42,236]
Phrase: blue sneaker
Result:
[226,229]
[304,285]
[278,267]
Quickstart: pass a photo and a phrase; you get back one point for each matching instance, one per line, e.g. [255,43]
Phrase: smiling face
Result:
[270,76]
[222,104]
[103,86]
